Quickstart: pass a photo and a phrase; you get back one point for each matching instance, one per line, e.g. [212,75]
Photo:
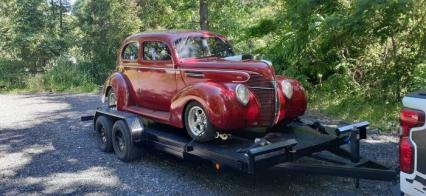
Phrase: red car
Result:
[194,80]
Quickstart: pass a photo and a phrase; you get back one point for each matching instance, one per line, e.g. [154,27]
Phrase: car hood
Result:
[264,68]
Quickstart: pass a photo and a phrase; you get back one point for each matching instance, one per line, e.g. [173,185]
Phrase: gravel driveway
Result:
[45,149]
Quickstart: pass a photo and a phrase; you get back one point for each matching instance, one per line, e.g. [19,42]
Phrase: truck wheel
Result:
[111,100]
[104,129]
[197,123]
[124,147]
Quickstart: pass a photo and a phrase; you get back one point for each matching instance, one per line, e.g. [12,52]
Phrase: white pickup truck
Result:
[412,147]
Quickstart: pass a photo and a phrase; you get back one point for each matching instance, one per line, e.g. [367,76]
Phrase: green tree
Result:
[103,24]
[373,46]
[26,35]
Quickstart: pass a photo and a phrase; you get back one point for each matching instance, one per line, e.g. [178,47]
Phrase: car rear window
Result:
[156,51]
[130,51]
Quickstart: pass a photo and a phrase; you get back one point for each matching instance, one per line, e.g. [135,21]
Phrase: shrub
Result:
[11,73]
[35,83]
[67,76]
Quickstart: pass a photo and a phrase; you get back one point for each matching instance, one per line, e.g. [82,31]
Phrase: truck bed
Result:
[418,94]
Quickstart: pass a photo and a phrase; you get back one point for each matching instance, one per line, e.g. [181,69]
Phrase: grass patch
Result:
[64,76]
[353,107]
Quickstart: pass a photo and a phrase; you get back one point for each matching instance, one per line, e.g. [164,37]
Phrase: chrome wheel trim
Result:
[103,135]
[112,101]
[197,121]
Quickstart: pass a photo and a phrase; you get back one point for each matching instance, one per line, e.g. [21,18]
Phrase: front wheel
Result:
[197,123]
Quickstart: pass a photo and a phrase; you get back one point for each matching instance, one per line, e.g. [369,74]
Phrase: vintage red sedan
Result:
[194,80]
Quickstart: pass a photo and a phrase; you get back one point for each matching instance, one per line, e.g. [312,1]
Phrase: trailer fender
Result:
[134,122]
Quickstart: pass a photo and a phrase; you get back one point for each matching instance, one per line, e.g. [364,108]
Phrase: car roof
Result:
[171,34]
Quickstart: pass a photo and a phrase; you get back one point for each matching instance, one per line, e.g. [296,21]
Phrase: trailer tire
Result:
[124,148]
[103,127]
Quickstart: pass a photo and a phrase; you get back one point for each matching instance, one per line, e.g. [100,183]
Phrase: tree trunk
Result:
[60,16]
[53,17]
[204,10]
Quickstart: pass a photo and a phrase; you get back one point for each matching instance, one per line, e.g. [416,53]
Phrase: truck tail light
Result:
[409,119]
[406,155]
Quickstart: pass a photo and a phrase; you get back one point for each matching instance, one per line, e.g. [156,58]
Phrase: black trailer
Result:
[335,149]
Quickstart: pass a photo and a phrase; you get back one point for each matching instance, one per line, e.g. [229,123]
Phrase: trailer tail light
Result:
[409,119]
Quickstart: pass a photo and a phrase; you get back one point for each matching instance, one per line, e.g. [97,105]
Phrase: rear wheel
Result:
[122,143]
[104,129]
[111,100]
[197,123]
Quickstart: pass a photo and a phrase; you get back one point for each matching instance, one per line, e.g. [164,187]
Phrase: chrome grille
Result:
[264,91]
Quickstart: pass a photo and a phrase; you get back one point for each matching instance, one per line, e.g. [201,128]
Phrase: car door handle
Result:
[194,74]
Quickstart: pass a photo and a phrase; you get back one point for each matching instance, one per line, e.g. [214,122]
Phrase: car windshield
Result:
[201,47]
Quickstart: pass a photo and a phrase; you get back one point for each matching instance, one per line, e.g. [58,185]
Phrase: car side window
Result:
[130,51]
[156,51]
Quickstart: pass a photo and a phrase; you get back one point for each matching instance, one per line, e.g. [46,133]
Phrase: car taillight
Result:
[409,119]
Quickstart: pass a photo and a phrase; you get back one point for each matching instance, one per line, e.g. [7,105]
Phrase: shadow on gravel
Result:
[57,154]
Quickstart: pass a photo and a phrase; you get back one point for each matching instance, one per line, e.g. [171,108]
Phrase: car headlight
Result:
[242,94]
[287,88]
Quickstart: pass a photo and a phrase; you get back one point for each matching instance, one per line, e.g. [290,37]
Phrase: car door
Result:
[157,77]
[129,65]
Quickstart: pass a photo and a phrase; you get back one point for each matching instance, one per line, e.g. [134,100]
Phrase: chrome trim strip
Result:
[142,67]
[247,73]
[195,75]
[265,88]
[277,102]
[266,62]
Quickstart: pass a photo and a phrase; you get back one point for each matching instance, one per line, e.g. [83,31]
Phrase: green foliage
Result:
[67,76]
[166,14]
[376,44]
[103,25]
[354,107]
[357,58]
[11,74]
[26,35]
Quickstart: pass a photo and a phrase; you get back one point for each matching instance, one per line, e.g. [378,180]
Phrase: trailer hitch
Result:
[361,126]
[316,125]
[358,131]
[319,127]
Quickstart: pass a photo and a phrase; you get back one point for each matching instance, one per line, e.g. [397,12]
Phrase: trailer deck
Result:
[337,149]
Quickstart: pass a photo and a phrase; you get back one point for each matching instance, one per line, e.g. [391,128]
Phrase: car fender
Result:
[120,84]
[294,107]
[217,98]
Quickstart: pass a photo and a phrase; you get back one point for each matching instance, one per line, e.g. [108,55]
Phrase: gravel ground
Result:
[45,149]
